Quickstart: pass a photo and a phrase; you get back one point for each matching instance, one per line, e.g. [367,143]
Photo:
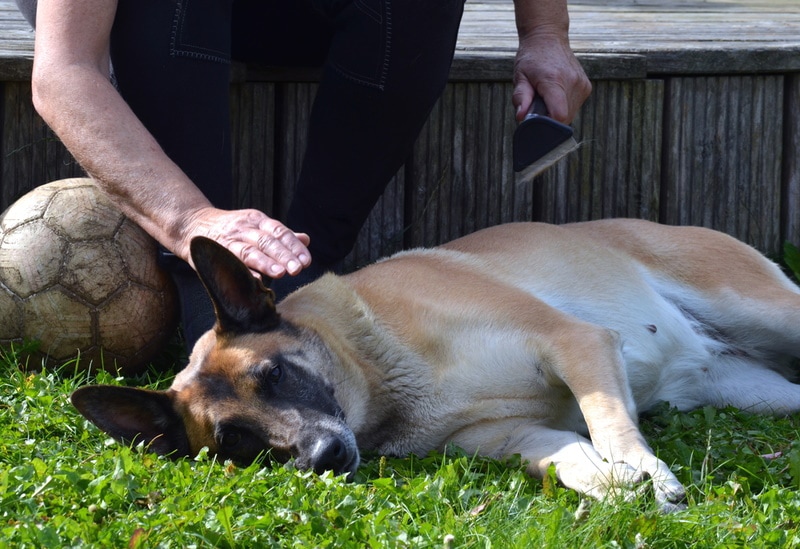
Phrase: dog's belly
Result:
[663,371]
[669,354]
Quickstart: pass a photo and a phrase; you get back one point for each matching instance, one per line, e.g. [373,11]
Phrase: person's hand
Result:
[545,65]
[264,244]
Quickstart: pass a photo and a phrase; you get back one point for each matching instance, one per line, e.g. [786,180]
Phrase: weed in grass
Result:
[791,257]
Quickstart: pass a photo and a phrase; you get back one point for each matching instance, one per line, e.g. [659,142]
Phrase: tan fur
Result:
[520,339]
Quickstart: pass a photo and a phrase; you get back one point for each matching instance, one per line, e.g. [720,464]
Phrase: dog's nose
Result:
[330,453]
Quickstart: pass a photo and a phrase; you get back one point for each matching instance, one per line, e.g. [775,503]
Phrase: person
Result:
[137,90]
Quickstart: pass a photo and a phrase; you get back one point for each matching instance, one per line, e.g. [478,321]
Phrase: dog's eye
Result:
[239,444]
[230,439]
[275,374]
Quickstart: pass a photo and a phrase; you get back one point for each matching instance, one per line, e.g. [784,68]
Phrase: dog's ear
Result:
[133,415]
[241,301]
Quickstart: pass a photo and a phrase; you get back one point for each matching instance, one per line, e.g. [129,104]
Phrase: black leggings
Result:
[385,63]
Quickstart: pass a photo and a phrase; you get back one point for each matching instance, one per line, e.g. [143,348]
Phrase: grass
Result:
[65,484]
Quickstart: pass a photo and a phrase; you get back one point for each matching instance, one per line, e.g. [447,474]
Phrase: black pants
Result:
[385,63]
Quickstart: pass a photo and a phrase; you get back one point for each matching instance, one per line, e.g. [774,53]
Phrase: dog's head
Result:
[255,385]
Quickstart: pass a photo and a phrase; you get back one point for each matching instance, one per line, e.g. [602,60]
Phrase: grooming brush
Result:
[540,142]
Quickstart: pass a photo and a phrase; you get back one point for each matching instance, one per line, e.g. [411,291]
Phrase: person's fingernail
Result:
[304,259]
[277,269]
[293,266]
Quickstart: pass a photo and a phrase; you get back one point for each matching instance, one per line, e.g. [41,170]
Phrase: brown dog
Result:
[519,339]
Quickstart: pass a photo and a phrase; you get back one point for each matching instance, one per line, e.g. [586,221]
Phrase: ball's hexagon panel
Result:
[62,324]
[94,270]
[30,258]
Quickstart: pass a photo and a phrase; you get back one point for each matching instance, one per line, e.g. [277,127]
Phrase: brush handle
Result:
[538,107]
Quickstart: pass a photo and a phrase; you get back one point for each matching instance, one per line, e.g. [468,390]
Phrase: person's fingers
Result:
[522,97]
[259,257]
[555,98]
[283,246]
[295,243]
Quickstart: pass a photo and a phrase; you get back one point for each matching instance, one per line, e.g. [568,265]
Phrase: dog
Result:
[525,339]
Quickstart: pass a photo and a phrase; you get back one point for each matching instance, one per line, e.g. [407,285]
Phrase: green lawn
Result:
[63,483]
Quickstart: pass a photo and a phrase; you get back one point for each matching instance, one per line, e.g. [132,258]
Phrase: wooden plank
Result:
[16,44]
[430,172]
[616,172]
[791,161]
[294,102]
[384,232]
[253,142]
[460,173]
[15,69]
[696,36]
[723,156]
[29,152]
[494,66]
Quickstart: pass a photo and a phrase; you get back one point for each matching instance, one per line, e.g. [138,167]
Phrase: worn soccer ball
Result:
[78,278]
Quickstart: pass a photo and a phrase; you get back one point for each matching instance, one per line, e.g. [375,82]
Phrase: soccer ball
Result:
[81,279]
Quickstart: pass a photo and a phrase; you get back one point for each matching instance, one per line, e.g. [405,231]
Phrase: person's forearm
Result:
[534,15]
[73,94]
[112,145]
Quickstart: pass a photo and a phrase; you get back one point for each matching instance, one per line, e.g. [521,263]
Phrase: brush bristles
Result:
[528,174]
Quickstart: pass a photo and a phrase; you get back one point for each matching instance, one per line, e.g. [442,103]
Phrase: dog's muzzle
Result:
[334,453]
[329,446]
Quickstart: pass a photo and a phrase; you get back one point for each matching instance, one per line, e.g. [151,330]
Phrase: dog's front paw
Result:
[669,494]
[668,491]
[623,480]
[658,479]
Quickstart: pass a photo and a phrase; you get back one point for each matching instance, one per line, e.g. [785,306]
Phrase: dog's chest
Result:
[476,380]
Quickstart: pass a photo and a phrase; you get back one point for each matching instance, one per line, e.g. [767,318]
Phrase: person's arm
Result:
[73,94]
[545,64]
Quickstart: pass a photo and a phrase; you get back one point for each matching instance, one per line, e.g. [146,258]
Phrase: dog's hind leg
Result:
[758,334]
[733,289]
[763,320]
[752,387]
